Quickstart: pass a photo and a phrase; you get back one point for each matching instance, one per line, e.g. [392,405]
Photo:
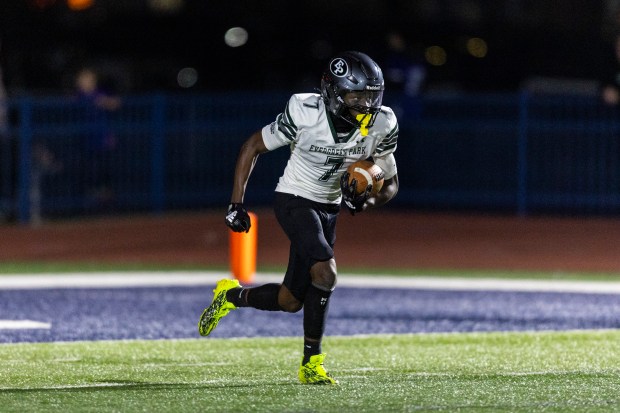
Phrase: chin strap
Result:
[363,119]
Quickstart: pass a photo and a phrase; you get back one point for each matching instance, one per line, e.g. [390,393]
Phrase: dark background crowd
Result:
[457,45]
[110,105]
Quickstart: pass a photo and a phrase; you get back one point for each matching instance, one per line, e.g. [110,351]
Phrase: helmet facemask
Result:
[352,89]
[361,108]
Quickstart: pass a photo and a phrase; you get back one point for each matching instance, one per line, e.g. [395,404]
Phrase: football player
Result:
[325,133]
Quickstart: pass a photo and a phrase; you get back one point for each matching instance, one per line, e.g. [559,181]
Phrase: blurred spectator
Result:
[610,87]
[44,163]
[99,140]
[406,73]
[7,158]
[4,122]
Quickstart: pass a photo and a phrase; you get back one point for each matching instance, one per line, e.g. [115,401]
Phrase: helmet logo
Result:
[339,67]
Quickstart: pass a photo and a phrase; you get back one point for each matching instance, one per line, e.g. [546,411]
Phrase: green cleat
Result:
[313,371]
[219,307]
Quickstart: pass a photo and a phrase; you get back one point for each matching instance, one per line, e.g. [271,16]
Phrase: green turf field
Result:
[482,372]
[490,372]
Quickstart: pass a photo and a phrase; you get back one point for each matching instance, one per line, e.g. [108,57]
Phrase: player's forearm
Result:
[243,170]
[248,155]
[242,175]
[388,191]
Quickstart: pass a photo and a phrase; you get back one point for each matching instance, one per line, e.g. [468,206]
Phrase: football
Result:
[366,172]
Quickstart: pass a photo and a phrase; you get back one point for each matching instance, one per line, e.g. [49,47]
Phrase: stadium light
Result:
[477,47]
[236,36]
[436,55]
[77,5]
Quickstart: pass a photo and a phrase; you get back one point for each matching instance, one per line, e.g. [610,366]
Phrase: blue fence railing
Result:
[507,152]
[519,153]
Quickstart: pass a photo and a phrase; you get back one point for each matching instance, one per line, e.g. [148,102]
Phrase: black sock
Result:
[316,304]
[264,297]
[311,347]
[237,296]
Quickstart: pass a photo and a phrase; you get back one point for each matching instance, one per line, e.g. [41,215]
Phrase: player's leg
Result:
[218,308]
[311,275]
[268,297]
[230,295]
[316,305]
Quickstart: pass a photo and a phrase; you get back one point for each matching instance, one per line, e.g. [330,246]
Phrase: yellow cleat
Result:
[219,307]
[313,371]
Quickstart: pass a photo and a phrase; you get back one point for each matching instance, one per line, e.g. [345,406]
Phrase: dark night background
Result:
[141,45]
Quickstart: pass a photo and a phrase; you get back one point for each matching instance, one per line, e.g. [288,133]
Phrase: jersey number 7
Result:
[335,162]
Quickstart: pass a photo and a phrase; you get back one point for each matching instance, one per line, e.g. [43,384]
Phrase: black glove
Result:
[237,218]
[353,201]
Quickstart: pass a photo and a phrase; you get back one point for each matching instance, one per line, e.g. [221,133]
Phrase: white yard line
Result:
[23,325]
[209,278]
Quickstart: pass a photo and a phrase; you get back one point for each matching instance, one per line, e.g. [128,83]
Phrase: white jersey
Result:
[318,157]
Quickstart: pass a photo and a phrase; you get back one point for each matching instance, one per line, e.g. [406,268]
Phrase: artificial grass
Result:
[474,372]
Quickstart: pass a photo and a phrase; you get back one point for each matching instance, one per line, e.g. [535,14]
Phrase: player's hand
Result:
[237,218]
[351,199]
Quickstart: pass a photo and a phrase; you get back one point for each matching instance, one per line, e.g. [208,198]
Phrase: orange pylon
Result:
[243,250]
